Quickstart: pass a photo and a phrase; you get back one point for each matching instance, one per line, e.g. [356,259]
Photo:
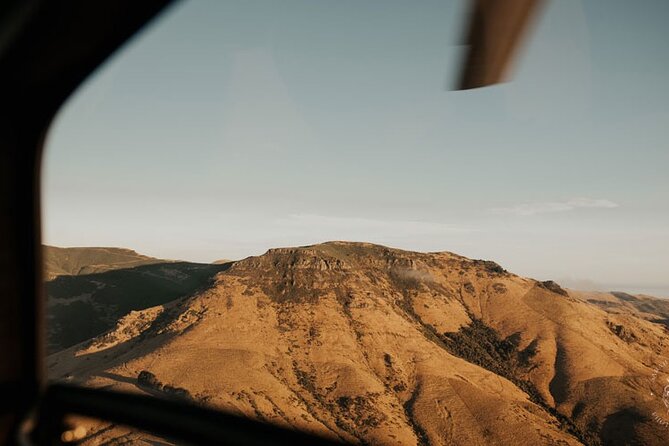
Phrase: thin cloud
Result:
[546,207]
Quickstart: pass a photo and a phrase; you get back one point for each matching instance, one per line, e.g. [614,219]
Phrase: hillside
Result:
[91,288]
[374,345]
[616,302]
[77,261]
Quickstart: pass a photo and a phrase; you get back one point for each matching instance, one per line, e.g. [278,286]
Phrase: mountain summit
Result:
[374,345]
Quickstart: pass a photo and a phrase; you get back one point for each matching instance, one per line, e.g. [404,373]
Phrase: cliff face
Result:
[376,345]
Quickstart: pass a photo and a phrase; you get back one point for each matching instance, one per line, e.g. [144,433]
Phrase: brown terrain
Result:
[373,345]
[78,261]
[89,289]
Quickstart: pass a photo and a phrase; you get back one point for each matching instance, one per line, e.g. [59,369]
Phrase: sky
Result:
[226,128]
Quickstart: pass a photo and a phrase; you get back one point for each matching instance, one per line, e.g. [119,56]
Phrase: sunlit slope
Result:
[74,261]
[80,307]
[370,344]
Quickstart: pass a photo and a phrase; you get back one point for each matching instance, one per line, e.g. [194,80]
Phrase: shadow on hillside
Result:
[621,428]
[117,377]
[82,307]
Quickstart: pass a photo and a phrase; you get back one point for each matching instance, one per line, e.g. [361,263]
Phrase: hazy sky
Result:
[227,128]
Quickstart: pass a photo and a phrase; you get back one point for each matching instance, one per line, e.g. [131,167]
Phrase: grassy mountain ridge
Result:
[616,302]
[375,345]
[88,260]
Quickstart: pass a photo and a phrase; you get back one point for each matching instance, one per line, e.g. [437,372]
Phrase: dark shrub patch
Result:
[554,287]
[499,288]
[178,392]
[344,402]
[490,266]
[482,345]
[621,331]
[148,380]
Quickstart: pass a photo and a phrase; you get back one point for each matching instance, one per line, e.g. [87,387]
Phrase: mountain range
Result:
[369,345]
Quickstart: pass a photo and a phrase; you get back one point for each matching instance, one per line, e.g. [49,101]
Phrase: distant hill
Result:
[77,261]
[373,345]
[617,302]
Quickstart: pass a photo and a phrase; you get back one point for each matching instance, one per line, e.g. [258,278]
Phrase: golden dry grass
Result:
[356,341]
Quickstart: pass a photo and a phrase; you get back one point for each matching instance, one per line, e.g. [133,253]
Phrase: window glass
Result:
[277,209]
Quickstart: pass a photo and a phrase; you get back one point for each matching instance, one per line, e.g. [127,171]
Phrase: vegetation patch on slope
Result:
[148,381]
[481,345]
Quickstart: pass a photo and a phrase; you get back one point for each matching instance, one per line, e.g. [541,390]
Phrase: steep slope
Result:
[74,261]
[80,307]
[376,345]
